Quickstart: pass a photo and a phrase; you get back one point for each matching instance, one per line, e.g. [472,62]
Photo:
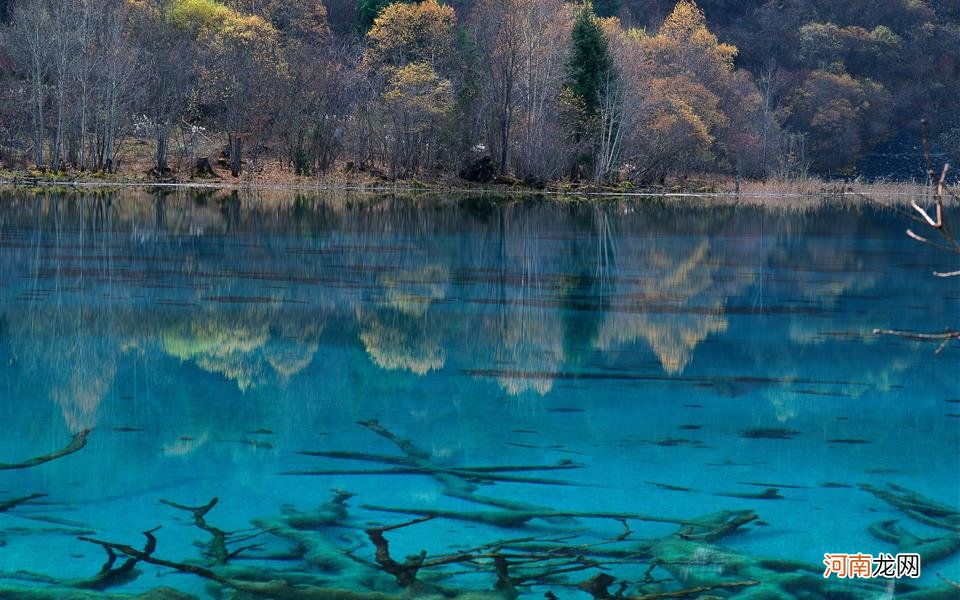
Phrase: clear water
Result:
[208,339]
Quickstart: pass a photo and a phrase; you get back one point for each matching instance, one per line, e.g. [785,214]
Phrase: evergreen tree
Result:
[590,60]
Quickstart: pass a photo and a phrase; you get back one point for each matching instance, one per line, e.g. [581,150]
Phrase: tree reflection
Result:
[248,287]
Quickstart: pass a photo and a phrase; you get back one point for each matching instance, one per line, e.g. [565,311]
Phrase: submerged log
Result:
[457,482]
[76,444]
[511,519]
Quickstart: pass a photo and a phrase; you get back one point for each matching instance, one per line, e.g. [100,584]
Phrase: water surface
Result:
[664,357]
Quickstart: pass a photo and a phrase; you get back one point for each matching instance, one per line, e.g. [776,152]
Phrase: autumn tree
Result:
[242,65]
[406,33]
[417,102]
[844,116]
[699,110]
[367,12]
[410,55]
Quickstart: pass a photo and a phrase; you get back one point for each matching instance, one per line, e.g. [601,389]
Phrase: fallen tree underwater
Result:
[317,564]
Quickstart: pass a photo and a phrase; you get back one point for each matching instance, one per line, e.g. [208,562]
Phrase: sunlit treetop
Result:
[198,14]
[405,33]
[685,35]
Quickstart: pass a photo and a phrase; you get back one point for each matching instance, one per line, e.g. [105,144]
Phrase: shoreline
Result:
[749,190]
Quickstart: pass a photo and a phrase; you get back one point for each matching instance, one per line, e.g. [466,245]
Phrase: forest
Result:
[625,92]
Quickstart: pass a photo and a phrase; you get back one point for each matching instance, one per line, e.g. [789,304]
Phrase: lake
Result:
[679,394]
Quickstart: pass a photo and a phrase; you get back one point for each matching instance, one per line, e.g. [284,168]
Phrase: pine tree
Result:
[590,60]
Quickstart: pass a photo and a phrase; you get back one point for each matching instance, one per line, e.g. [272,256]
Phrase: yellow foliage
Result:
[199,14]
[685,42]
[411,292]
[395,341]
[220,21]
[404,33]
[672,337]
[418,91]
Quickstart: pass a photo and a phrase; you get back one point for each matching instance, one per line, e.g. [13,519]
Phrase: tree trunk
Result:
[160,159]
[236,147]
[38,121]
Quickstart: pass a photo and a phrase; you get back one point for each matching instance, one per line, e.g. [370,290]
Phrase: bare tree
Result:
[312,117]
[166,56]
[541,148]
[611,126]
[64,42]
[30,38]
[498,27]
[116,78]
[945,238]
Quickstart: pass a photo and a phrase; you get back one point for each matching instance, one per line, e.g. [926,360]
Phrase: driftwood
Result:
[921,509]
[406,572]
[110,575]
[944,338]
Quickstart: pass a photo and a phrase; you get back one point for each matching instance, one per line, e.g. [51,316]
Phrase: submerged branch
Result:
[76,444]
[405,573]
[13,503]
[944,338]
[216,548]
[109,575]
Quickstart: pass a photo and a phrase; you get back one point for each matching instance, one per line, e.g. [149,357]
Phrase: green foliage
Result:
[590,63]
[369,10]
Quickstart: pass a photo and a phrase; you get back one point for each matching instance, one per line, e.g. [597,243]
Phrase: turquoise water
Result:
[659,358]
